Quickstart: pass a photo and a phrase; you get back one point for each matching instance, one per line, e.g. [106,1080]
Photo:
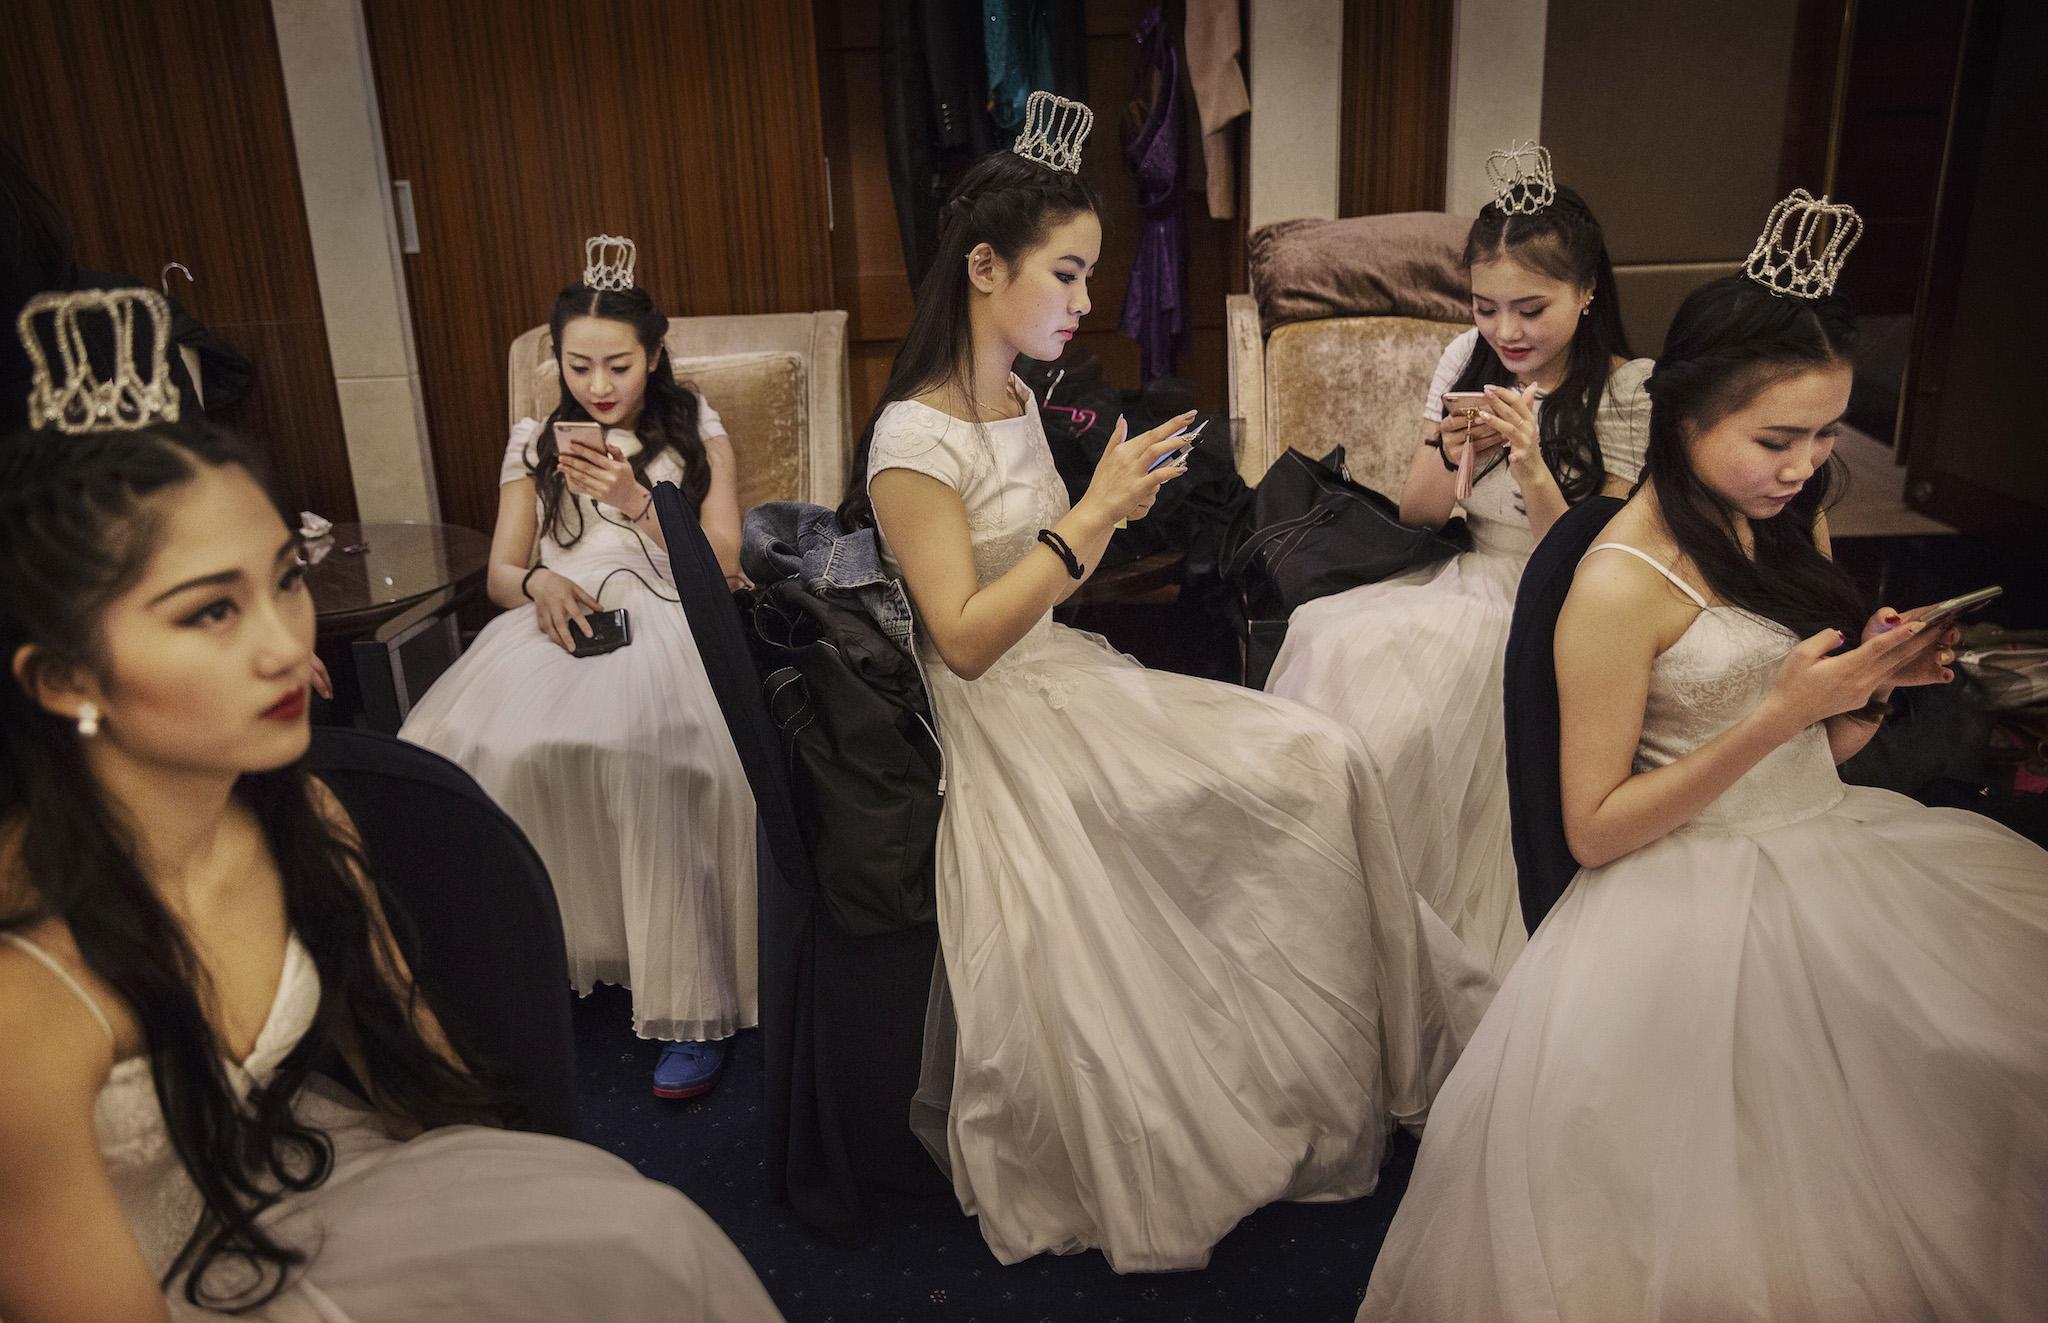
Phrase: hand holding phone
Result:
[1461,415]
[1180,455]
[583,436]
[1955,606]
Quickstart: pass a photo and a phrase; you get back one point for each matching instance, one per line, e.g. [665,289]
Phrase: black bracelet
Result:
[537,568]
[1436,443]
[1872,713]
[1062,550]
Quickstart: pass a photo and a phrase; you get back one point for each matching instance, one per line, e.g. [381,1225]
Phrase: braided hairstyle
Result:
[1006,202]
[1563,241]
[1730,340]
[80,520]
[668,412]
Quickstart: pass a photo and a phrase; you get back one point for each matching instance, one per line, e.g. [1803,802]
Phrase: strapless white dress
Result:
[1786,1063]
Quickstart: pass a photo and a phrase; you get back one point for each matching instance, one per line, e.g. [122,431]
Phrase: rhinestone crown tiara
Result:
[1054,130]
[608,261]
[1799,264]
[81,402]
[1521,179]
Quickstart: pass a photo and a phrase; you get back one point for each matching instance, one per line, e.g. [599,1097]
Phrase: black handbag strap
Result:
[1241,559]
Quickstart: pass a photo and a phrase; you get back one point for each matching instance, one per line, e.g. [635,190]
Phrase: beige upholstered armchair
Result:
[777,379]
[1357,382]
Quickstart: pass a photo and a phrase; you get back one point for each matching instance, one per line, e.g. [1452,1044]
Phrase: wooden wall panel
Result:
[525,127]
[161,128]
[869,277]
[1396,106]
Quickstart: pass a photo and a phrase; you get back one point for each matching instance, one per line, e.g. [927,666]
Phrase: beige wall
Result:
[1669,117]
[325,56]
[1497,79]
[1295,61]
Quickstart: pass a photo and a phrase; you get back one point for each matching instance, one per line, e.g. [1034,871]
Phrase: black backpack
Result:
[865,768]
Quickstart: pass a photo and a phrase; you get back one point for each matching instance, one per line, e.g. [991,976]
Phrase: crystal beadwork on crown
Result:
[608,261]
[126,401]
[1522,184]
[1054,130]
[1799,264]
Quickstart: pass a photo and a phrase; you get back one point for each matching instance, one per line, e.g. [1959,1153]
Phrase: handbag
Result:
[1310,531]
[865,768]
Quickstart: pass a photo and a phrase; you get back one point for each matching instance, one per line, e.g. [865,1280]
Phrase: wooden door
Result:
[160,127]
[690,126]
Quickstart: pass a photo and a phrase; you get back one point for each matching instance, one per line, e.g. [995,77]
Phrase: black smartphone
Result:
[609,631]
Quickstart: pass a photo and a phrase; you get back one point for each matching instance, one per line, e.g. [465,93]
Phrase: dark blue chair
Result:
[473,907]
[1543,858]
[842,1017]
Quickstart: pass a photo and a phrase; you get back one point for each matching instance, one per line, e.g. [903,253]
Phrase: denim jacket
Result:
[783,538]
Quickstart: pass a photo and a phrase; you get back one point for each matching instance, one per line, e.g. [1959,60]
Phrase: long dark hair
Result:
[1006,202]
[668,415]
[1563,241]
[79,521]
[1731,339]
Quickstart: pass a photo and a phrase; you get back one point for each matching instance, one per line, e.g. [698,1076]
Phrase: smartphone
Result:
[590,436]
[1180,455]
[609,631]
[1956,606]
[1468,402]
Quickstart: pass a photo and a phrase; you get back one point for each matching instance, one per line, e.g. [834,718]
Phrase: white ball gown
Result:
[1414,663]
[1189,971]
[620,771]
[462,1224]
[1788,1063]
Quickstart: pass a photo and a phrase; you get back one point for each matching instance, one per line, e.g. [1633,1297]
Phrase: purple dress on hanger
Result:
[1155,311]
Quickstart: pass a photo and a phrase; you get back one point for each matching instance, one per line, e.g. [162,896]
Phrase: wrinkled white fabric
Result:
[1787,1063]
[620,770]
[1189,972]
[1414,665]
[461,1225]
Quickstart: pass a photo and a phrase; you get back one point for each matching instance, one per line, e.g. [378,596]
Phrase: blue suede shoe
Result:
[685,1070]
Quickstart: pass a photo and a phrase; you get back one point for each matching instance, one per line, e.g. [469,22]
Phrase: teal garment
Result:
[1017,38]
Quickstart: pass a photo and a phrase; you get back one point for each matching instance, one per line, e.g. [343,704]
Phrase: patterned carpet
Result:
[923,1262]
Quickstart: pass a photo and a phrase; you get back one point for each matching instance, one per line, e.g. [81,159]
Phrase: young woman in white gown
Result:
[1413,663]
[1189,971]
[618,767]
[1781,1050]
[185,924]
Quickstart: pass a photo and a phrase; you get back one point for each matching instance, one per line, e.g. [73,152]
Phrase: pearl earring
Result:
[88,719]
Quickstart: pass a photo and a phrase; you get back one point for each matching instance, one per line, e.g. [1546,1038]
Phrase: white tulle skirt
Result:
[1189,973]
[1795,1075]
[1413,665]
[621,772]
[471,1225]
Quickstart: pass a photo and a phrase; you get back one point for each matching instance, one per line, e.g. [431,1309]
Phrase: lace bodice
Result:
[1716,674]
[160,1201]
[1004,473]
